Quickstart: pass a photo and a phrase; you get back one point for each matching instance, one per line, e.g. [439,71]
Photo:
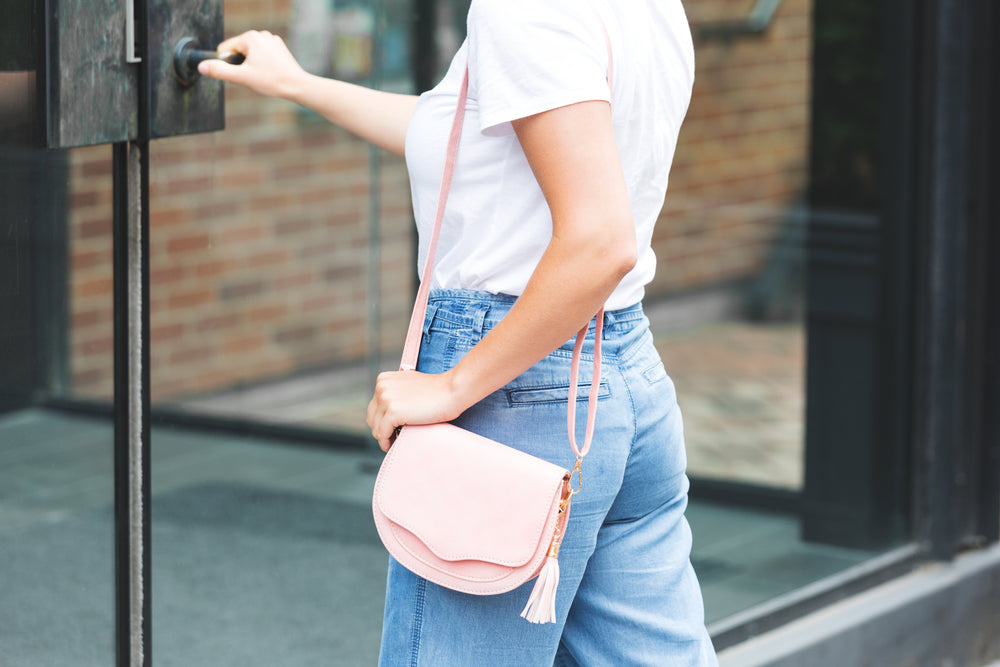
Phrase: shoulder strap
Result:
[411,348]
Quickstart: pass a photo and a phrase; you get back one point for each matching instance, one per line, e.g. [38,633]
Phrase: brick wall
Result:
[742,157]
[259,233]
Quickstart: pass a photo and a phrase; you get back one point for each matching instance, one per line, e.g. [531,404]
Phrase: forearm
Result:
[564,293]
[572,152]
[373,115]
[270,69]
[592,247]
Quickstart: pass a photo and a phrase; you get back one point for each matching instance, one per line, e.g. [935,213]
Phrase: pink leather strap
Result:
[411,348]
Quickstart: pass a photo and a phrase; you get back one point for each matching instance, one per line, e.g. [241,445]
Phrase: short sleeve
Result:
[530,56]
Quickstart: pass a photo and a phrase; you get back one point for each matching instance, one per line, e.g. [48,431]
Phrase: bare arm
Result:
[573,155]
[270,69]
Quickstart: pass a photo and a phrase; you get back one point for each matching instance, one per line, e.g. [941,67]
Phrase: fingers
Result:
[382,426]
[384,433]
[223,71]
[241,42]
[269,68]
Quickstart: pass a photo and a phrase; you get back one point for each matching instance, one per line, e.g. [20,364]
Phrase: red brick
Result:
[292,226]
[300,279]
[88,259]
[240,177]
[94,228]
[241,290]
[96,346]
[181,244]
[191,298]
[88,378]
[268,146]
[267,313]
[165,332]
[90,317]
[165,217]
[217,322]
[191,354]
[213,267]
[296,334]
[243,343]
[166,274]
[267,258]
[233,235]
[95,287]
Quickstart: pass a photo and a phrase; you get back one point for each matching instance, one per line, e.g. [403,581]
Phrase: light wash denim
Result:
[627,593]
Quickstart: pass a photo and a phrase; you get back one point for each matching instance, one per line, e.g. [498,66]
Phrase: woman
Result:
[559,181]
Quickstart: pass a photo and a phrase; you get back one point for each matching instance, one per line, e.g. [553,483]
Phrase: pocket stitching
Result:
[655,373]
[603,392]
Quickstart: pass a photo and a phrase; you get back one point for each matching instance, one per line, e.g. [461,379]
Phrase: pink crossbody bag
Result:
[467,512]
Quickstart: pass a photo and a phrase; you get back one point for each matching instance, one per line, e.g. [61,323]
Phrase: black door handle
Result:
[187,55]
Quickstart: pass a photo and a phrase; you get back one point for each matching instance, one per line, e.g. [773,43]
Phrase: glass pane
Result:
[730,249]
[282,277]
[281,281]
[765,302]
[56,467]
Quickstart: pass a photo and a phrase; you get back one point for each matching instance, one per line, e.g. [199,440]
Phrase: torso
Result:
[497,223]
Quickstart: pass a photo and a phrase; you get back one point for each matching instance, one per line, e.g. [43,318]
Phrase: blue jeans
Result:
[627,593]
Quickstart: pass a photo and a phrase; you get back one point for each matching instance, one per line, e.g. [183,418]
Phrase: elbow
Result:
[604,250]
[613,259]
[620,252]
[626,258]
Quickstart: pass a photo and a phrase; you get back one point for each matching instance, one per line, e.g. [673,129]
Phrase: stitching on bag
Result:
[387,465]
[393,527]
[530,567]
[536,536]
[524,572]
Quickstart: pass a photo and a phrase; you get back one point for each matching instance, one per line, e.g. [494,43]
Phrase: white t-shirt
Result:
[529,56]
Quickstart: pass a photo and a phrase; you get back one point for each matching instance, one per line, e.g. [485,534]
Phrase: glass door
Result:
[56,467]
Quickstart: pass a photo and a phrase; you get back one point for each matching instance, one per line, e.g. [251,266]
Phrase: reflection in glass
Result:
[56,470]
[730,249]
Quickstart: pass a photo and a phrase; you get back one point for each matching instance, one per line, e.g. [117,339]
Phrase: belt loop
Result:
[609,320]
[429,318]
[480,318]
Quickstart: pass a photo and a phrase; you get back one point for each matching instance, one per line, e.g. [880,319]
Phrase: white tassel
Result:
[541,607]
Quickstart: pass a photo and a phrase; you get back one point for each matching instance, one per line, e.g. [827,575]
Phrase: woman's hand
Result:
[269,69]
[410,397]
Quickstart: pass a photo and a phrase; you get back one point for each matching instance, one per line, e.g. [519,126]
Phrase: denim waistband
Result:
[481,311]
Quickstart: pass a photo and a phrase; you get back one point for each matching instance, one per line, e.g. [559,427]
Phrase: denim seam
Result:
[634,519]
[635,417]
[418,622]
[633,348]
[657,370]
[603,393]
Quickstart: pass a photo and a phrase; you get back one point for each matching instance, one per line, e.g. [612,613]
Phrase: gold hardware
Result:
[554,549]
[579,478]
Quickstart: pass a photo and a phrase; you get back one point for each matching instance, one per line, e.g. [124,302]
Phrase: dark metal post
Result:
[131,333]
[425,59]
[986,108]
[942,317]
[133,550]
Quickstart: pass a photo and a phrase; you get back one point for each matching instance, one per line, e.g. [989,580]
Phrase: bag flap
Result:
[467,497]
